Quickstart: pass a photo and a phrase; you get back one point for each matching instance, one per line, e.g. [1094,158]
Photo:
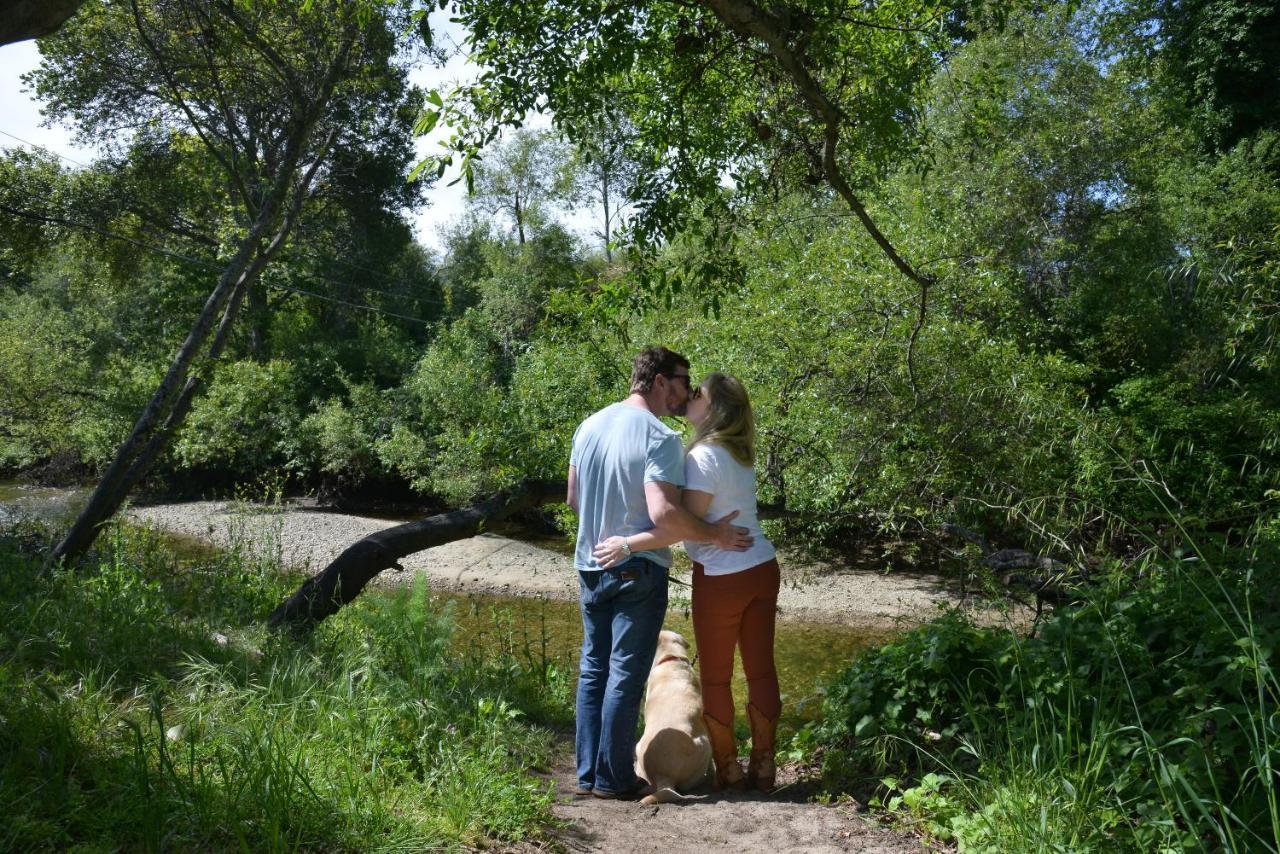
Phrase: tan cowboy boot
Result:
[761,771]
[724,750]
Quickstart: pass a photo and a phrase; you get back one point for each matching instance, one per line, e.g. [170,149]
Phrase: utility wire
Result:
[57,220]
[303,230]
[44,148]
[42,217]
[369,289]
[293,251]
[88,226]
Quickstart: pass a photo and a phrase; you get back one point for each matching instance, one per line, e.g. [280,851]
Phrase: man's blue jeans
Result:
[622,612]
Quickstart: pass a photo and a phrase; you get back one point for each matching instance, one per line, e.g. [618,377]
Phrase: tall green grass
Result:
[1145,719]
[142,706]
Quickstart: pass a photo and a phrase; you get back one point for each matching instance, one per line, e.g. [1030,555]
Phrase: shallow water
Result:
[551,630]
[51,505]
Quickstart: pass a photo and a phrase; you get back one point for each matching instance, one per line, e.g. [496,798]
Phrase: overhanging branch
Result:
[342,581]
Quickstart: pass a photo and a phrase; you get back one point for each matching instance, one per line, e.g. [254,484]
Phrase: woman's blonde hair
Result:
[729,422]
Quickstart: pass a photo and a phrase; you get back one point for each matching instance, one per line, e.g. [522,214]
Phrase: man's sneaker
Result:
[635,793]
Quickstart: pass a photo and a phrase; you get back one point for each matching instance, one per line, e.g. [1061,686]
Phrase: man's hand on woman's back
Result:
[730,537]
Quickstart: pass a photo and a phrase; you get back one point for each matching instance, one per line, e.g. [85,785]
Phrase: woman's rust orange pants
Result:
[737,610]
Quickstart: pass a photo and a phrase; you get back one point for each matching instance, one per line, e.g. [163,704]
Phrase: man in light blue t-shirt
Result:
[625,475]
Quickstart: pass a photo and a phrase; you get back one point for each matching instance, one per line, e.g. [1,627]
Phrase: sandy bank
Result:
[489,563]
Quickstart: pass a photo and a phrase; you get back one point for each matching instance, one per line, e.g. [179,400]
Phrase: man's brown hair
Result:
[652,361]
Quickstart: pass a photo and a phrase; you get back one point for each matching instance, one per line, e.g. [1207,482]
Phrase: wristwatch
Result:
[626,547]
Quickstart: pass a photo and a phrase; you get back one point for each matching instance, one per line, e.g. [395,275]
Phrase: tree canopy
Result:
[723,102]
[269,91]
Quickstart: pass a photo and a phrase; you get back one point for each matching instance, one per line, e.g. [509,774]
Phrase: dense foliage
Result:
[1098,350]
[1144,720]
[1090,192]
[143,706]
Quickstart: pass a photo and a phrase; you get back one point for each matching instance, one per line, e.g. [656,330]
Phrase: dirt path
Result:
[784,821]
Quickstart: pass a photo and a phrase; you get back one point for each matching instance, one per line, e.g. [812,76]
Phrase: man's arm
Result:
[572,497]
[672,521]
[614,550]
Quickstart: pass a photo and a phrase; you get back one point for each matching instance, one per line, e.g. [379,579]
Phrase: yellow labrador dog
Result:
[675,751]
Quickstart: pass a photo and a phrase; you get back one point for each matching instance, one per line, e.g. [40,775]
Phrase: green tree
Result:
[1217,58]
[25,177]
[514,294]
[523,179]
[604,175]
[305,80]
[767,97]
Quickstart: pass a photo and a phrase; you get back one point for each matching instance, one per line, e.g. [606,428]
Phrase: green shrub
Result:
[1147,717]
[339,439]
[142,705]
[246,422]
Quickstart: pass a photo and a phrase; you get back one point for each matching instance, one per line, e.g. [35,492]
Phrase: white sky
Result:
[20,119]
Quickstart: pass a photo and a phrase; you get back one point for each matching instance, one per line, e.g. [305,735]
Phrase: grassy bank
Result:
[1145,719]
[143,706]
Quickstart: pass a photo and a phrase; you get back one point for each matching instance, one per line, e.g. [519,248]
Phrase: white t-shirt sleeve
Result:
[701,470]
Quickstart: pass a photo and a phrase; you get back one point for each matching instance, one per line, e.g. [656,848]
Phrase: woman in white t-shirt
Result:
[735,594]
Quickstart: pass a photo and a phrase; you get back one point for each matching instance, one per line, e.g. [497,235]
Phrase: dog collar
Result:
[667,658]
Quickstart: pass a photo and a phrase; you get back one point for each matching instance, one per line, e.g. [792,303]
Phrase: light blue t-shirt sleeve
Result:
[665,460]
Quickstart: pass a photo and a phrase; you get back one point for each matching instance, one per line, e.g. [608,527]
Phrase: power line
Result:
[44,148]
[56,220]
[369,289]
[295,250]
[350,304]
[45,217]
[302,230]
[41,217]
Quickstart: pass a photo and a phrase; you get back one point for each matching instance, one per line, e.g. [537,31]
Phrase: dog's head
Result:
[671,647]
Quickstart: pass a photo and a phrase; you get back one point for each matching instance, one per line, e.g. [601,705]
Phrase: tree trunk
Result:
[604,194]
[31,19]
[342,581]
[519,219]
[182,406]
[115,484]
[168,406]
[160,440]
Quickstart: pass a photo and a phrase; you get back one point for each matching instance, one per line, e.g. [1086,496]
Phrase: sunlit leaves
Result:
[713,117]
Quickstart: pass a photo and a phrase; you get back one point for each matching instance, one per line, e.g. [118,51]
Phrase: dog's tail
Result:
[664,792]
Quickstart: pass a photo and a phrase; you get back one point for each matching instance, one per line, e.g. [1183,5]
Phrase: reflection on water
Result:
[551,630]
[46,504]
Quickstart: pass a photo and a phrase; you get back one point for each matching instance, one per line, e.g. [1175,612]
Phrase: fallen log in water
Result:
[343,580]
